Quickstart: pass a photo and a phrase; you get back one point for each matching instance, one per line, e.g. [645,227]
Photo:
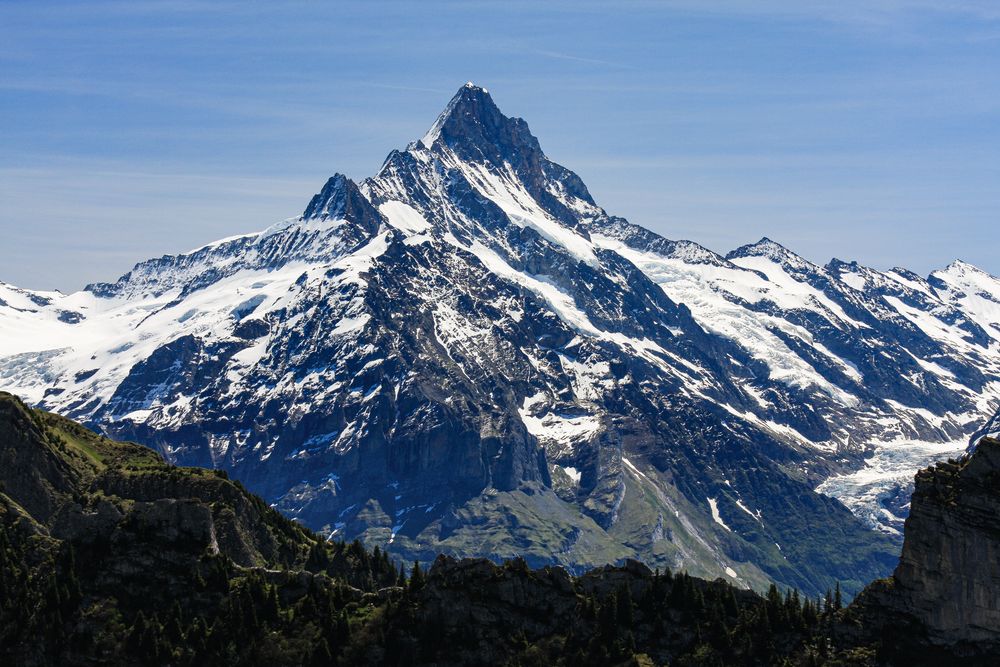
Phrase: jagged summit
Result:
[340,198]
[765,247]
[839,264]
[337,220]
[959,264]
[961,268]
[483,151]
[474,128]
[329,202]
[471,104]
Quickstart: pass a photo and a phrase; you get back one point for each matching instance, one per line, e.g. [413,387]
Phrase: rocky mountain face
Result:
[63,483]
[465,354]
[947,583]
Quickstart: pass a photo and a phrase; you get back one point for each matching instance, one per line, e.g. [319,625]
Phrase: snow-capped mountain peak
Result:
[470,117]
[339,199]
[960,266]
[973,290]
[768,249]
[465,353]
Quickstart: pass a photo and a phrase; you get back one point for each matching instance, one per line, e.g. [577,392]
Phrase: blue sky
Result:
[861,130]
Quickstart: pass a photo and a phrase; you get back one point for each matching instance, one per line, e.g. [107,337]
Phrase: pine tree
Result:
[321,656]
[343,628]
[134,639]
[624,604]
[773,601]
[416,578]
[732,607]
[271,605]
[607,617]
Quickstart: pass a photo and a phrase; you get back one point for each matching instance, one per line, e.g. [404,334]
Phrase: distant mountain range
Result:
[465,354]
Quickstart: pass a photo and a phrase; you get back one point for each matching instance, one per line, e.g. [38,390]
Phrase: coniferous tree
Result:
[624,603]
[416,578]
[607,617]
[321,655]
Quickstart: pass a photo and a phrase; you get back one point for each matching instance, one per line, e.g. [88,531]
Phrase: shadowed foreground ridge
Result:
[110,556]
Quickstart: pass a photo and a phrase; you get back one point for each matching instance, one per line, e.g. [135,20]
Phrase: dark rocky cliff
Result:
[949,573]
[945,592]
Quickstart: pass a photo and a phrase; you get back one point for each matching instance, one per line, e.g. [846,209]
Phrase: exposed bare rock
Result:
[945,591]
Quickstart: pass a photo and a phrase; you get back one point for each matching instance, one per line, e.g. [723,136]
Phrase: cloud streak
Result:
[163,125]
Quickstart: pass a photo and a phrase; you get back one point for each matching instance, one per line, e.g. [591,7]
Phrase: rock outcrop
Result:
[78,487]
[949,573]
[109,555]
[945,592]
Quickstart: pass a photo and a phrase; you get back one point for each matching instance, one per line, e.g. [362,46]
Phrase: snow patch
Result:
[404,217]
[716,517]
[564,430]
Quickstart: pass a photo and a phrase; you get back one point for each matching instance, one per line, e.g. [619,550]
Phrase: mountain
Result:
[109,555]
[465,354]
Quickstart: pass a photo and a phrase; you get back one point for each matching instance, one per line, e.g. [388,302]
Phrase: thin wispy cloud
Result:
[416,89]
[729,117]
[579,59]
